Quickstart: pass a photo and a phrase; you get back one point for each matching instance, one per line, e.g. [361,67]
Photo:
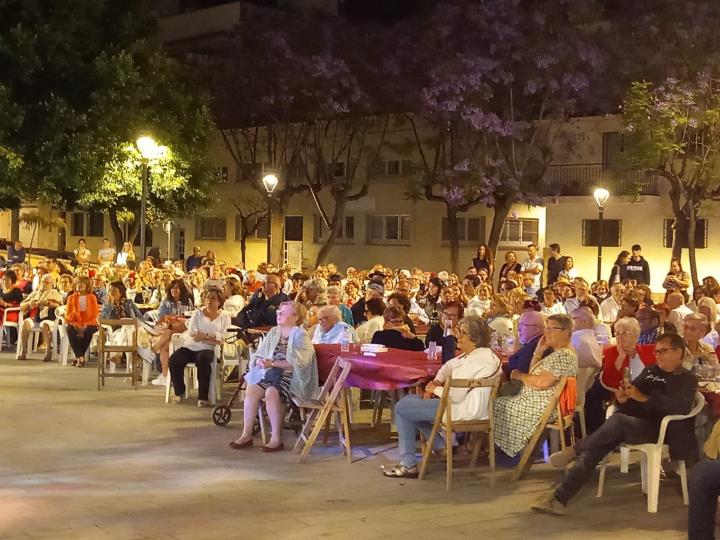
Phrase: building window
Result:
[78,224]
[611,232]
[701,233]
[346,234]
[336,170]
[520,231]
[614,145]
[260,233]
[395,228]
[221,174]
[148,237]
[250,171]
[96,224]
[391,167]
[211,228]
[469,229]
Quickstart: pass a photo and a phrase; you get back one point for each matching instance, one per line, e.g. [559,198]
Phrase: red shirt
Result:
[611,377]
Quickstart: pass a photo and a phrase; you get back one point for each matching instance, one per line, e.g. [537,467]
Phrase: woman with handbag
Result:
[206,329]
[171,320]
[283,365]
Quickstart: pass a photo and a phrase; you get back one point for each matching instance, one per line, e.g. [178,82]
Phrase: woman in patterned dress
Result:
[287,358]
[516,417]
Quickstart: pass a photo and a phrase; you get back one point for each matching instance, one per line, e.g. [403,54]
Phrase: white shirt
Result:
[415,309]
[587,349]
[712,339]
[200,324]
[556,309]
[334,334]
[603,334]
[609,310]
[501,325]
[366,330]
[677,316]
[473,404]
[477,307]
[527,264]
[234,304]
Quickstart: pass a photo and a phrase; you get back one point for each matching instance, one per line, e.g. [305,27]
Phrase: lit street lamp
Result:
[270,181]
[601,197]
[148,149]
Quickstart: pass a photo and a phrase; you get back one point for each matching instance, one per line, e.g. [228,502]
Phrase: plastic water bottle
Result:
[508,344]
[432,350]
[345,340]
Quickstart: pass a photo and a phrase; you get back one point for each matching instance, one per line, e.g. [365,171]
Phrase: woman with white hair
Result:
[625,353]
[330,329]
[334,296]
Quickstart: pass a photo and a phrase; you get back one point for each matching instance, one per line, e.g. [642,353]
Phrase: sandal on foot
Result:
[79,363]
[400,471]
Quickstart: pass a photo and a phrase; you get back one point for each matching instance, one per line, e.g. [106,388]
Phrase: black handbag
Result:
[273,375]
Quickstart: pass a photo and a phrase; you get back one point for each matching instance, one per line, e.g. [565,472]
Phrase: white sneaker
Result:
[203,403]
[160,381]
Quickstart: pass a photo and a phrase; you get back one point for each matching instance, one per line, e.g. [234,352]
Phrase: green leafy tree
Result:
[83,82]
[676,128]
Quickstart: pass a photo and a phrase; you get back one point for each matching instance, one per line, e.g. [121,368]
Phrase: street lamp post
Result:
[149,149]
[601,197]
[270,181]
[167,227]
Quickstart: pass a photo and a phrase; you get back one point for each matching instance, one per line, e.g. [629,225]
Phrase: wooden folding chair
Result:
[543,424]
[443,419]
[128,349]
[333,399]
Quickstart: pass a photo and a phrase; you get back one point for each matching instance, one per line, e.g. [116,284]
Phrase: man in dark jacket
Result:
[530,329]
[660,390]
[374,290]
[261,310]
[555,264]
[637,267]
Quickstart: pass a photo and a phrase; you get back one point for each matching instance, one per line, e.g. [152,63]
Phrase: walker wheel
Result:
[221,415]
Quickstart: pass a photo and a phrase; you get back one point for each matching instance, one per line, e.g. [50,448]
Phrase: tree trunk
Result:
[32,239]
[338,215]
[692,225]
[117,230]
[277,228]
[680,232]
[451,212]
[243,249]
[133,232]
[500,213]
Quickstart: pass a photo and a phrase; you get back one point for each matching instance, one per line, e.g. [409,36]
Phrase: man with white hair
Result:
[589,353]
[330,329]
[530,329]
[678,311]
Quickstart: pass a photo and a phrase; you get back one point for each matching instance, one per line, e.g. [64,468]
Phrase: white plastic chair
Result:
[6,325]
[34,339]
[215,390]
[651,459]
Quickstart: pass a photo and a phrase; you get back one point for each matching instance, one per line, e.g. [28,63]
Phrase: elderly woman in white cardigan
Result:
[283,365]
[412,413]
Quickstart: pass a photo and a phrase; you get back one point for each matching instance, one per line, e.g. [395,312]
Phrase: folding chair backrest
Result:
[470,384]
[102,323]
[335,380]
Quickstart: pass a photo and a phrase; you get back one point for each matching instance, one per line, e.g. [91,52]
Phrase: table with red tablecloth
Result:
[389,370]
[713,402]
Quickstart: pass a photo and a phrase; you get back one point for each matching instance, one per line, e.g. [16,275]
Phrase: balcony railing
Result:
[582,179]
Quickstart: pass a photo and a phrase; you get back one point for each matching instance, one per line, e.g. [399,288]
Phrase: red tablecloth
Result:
[713,401]
[386,371]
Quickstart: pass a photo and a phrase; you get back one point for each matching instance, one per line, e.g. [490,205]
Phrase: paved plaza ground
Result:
[81,464]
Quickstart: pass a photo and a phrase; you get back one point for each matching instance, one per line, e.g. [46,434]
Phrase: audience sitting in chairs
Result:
[39,312]
[206,330]
[81,319]
[171,320]
[119,307]
[11,295]
[283,365]
[413,413]
[516,416]
[660,390]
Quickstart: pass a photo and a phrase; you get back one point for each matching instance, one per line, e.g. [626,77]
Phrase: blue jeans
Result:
[412,413]
[704,491]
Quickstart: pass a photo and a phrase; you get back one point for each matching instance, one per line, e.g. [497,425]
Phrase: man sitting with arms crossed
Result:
[260,310]
[530,329]
[660,390]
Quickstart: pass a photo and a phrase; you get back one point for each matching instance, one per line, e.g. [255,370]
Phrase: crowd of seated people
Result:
[560,323]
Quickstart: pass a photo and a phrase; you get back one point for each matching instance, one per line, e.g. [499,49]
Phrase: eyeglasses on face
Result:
[553,328]
[664,350]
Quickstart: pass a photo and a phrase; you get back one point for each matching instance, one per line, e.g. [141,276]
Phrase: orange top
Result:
[75,317]
[568,396]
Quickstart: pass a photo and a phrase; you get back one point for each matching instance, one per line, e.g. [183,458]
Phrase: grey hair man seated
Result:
[330,328]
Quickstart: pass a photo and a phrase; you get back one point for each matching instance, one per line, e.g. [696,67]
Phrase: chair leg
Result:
[491,456]
[345,405]
[653,476]
[624,459]
[583,427]
[644,472]
[601,478]
[306,429]
[427,450]
[448,451]
[326,433]
[682,471]
[324,413]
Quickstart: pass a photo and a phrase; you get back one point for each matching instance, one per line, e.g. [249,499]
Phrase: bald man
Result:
[530,329]
[678,311]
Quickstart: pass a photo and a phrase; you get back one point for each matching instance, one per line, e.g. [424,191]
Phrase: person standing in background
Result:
[637,267]
[555,264]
